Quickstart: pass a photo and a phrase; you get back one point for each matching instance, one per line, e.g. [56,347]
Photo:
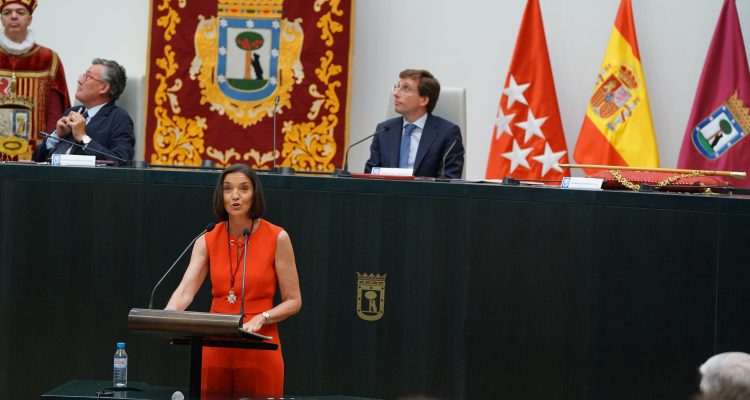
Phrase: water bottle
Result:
[120,371]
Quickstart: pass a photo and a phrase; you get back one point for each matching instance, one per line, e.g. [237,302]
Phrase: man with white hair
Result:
[726,376]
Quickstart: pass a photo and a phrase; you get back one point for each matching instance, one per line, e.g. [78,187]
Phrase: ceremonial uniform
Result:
[33,91]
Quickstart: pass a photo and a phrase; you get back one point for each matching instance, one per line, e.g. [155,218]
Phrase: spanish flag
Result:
[617,128]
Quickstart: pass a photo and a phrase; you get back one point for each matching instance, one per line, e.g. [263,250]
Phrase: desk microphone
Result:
[209,228]
[246,234]
[91,149]
[445,155]
[345,171]
[275,106]
[275,169]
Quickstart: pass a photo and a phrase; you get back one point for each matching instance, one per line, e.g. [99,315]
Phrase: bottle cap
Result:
[120,345]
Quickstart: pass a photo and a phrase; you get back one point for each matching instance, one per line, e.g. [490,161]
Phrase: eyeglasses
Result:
[86,76]
[403,88]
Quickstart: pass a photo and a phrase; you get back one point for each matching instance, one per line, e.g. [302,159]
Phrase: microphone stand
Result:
[275,169]
[442,177]
[93,150]
[344,173]
[208,228]
[246,234]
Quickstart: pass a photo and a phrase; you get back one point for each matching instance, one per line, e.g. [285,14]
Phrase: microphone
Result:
[445,155]
[345,171]
[275,105]
[208,228]
[91,149]
[275,169]
[246,234]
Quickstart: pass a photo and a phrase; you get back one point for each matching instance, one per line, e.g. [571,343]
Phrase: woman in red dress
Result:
[239,204]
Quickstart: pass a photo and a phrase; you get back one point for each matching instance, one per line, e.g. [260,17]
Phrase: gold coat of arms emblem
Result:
[370,296]
[614,99]
[247,59]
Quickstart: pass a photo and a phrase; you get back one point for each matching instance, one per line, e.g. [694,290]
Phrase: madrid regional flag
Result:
[617,128]
[528,140]
[720,120]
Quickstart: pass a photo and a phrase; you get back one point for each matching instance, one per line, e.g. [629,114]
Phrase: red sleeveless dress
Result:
[243,371]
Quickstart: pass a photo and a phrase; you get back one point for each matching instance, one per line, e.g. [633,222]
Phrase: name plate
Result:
[73,160]
[392,171]
[573,182]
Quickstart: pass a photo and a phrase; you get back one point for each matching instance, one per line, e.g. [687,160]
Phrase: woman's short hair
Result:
[259,200]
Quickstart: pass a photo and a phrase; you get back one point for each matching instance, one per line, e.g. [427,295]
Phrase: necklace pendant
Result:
[231,298]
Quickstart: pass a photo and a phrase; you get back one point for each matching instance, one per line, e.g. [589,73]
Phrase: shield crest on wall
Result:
[248,57]
[370,296]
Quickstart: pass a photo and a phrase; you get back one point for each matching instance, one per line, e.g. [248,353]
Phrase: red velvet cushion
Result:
[667,181]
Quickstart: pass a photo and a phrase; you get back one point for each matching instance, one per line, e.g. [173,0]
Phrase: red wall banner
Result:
[219,71]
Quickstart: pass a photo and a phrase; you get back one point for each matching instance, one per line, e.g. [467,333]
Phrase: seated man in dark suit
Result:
[418,139]
[97,124]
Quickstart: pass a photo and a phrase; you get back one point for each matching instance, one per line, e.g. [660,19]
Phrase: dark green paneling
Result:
[492,292]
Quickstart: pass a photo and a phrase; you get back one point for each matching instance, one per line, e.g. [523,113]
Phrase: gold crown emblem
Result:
[17,100]
[265,9]
[371,279]
[626,76]
[740,112]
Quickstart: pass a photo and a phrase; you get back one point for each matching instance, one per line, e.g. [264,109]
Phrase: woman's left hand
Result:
[254,324]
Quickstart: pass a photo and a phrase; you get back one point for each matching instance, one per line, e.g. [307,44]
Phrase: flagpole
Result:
[730,174]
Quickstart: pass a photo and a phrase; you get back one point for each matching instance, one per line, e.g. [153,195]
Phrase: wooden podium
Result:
[197,329]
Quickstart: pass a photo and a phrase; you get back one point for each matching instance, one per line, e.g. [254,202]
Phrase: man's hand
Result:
[62,128]
[77,124]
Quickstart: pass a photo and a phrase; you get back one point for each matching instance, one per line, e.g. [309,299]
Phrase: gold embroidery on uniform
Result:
[22,116]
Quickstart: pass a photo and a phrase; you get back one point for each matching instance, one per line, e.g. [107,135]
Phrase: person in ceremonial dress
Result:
[33,92]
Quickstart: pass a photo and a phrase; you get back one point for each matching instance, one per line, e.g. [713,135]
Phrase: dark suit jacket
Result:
[111,132]
[437,136]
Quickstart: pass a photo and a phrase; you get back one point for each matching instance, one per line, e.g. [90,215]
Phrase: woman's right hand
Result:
[254,324]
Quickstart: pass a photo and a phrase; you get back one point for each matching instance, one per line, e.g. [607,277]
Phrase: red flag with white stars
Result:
[528,140]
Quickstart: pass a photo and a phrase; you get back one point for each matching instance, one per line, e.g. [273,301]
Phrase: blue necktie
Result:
[403,159]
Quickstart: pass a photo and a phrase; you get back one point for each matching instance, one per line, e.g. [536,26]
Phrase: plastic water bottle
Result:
[120,371]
